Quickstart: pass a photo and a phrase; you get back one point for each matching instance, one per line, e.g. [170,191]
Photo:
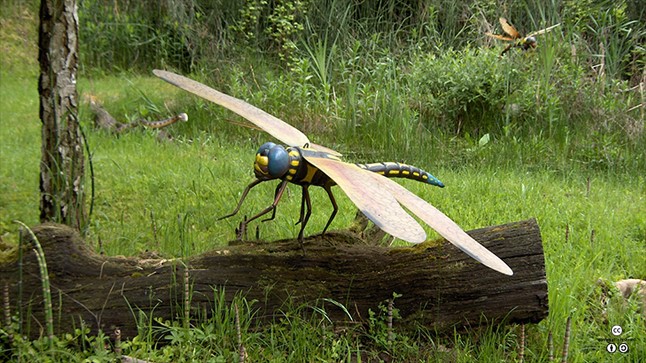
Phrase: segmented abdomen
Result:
[397,170]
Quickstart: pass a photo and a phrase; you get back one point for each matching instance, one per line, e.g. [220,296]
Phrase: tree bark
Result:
[440,286]
[62,159]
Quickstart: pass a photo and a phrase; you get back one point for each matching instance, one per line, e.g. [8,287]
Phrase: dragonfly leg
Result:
[281,188]
[241,230]
[303,220]
[328,189]
[244,195]
[300,218]
[306,206]
[273,213]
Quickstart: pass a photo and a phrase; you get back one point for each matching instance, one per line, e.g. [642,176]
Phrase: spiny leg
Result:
[328,189]
[244,195]
[281,188]
[273,213]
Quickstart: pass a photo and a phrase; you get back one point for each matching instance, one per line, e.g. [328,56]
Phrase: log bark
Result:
[440,286]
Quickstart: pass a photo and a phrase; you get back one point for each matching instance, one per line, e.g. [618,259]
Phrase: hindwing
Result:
[372,200]
[444,225]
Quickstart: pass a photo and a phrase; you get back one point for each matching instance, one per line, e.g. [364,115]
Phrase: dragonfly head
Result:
[272,161]
[529,42]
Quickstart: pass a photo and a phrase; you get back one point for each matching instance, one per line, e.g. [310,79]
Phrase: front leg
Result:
[279,194]
[244,195]
[273,213]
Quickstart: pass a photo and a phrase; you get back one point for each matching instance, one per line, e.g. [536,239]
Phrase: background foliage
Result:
[384,70]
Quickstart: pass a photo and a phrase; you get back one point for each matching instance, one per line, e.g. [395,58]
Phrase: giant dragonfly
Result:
[304,163]
[519,41]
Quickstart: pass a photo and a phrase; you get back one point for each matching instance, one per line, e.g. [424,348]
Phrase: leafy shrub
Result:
[275,25]
[460,91]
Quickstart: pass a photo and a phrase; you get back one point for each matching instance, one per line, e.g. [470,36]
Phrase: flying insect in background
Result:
[519,41]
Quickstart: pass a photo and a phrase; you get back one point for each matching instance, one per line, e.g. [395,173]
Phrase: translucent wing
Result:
[509,29]
[543,31]
[442,224]
[270,124]
[379,206]
[311,145]
[324,149]
[501,37]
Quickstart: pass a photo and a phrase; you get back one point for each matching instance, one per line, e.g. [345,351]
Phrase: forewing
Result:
[444,225]
[501,37]
[371,198]
[543,31]
[270,124]
[509,29]
[324,149]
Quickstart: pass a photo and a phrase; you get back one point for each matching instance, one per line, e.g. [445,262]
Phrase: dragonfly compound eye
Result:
[278,161]
[261,164]
[264,148]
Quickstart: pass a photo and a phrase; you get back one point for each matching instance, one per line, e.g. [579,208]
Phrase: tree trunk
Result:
[440,286]
[62,161]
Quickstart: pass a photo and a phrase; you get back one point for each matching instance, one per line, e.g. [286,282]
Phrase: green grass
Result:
[20,150]
[572,157]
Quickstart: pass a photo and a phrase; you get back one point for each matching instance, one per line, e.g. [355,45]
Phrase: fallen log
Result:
[104,120]
[440,286]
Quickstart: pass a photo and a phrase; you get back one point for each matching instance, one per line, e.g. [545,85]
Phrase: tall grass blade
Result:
[44,276]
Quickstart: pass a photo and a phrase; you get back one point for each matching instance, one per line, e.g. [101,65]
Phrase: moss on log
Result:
[440,286]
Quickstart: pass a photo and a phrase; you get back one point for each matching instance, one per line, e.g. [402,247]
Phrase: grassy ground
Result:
[592,219]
